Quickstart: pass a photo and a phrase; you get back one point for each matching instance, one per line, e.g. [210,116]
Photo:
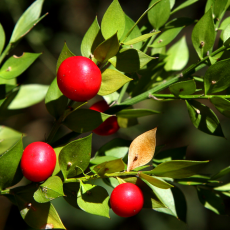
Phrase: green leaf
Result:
[223,172]
[10,170]
[110,181]
[172,3]
[57,167]
[159,14]
[178,56]
[222,105]
[28,95]
[134,113]
[158,182]
[219,9]
[197,180]
[224,23]
[8,138]
[209,4]
[98,160]
[224,188]
[84,120]
[178,168]
[2,38]
[51,189]
[126,122]
[27,21]
[55,101]
[74,157]
[91,40]
[93,199]
[71,191]
[65,139]
[183,88]
[15,66]
[183,5]
[178,22]
[112,80]
[107,49]
[226,33]
[211,201]
[113,21]
[130,60]
[203,35]
[109,167]
[203,118]
[111,97]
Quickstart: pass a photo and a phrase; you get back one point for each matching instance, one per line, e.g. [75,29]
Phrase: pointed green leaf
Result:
[15,66]
[126,122]
[112,182]
[113,21]
[84,120]
[172,3]
[224,188]
[183,88]
[98,160]
[74,157]
[203,118]
[2,38]
[57,167]
[159,14]
[224,23]
[222,105]
[91,40]
[111,97]
[183,5]
[10,170]
[112,80]
[178,56]
[209,4]
[134,113]
[203,35]
[71,193]
[130,60]
[178,168]
[222,173]
[226,33]
[219,9]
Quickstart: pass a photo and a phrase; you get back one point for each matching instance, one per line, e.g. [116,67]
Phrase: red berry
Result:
[38,161]
[110,125]
[126,200]
[79,78]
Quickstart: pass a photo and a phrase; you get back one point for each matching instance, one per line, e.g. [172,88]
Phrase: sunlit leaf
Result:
[2,38]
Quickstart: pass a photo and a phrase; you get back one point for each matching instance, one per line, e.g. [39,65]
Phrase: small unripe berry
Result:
[79,78]
[110,125]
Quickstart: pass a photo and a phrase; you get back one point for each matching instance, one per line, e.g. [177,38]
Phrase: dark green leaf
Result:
[134,113]
[113,20]
[223,172]
[183,88]
[219,9]
[84,120]
[15,66]
[75,157]
[2,38]
[183,5]
[203,118]
[178,168]
[203,35]
[178,22]
[126,122]
[65,139]
[10,170]
[222,105]
[71,191]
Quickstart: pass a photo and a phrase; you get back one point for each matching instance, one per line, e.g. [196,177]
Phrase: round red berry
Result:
[38,161]
[126,200]
[79,78]
[110,125]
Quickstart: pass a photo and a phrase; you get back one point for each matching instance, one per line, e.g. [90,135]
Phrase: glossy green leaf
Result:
[178,168]
[159,14]
[222,173]
[130,60]
[109,167]
[113,21]
[222,105]
[134,113]
[225,187]
[98,160]
[51,189]
[203,35]
[10,170]
[57,167]
[2,38]
[183,88]
[224,23]
[183,5]
[15,66]
[178,56]
[211,201]
[91,39]
[126,122]
[107,49]
[84,120]
[112,80]
[8,138]
[74,157]
[203,118]
[94,199]
[27,21]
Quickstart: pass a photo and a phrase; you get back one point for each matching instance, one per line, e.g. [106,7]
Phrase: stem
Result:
[187,97]
[123,90]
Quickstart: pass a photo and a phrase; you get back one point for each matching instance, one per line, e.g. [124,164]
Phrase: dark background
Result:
[68,20]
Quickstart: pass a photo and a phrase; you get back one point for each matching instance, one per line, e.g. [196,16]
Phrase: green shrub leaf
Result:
[57,167]
[183,5]
[2,38]
[222,173]
[126,122]
[222,105]
[98,160]
[71,192]
[183,88]
[225,187]
[134,113]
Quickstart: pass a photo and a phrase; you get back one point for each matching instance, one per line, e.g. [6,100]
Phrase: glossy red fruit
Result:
[110,125]
[126,200]
[79,78]
[38,161]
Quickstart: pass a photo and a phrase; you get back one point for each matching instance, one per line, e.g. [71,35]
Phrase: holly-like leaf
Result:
[203,118]
[113,21]
[84,120]
[2,38]
[222,105]
[51,189]
[112,80]
[93,199]
[74,157]
[10,170]
[221,173]
[15,66]
[183,5]
[203,34]
[134,113]
[142,149]
[71,192]
[178,168]
[183,88]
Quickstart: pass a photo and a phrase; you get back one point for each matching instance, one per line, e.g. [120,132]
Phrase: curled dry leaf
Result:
[142,149]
